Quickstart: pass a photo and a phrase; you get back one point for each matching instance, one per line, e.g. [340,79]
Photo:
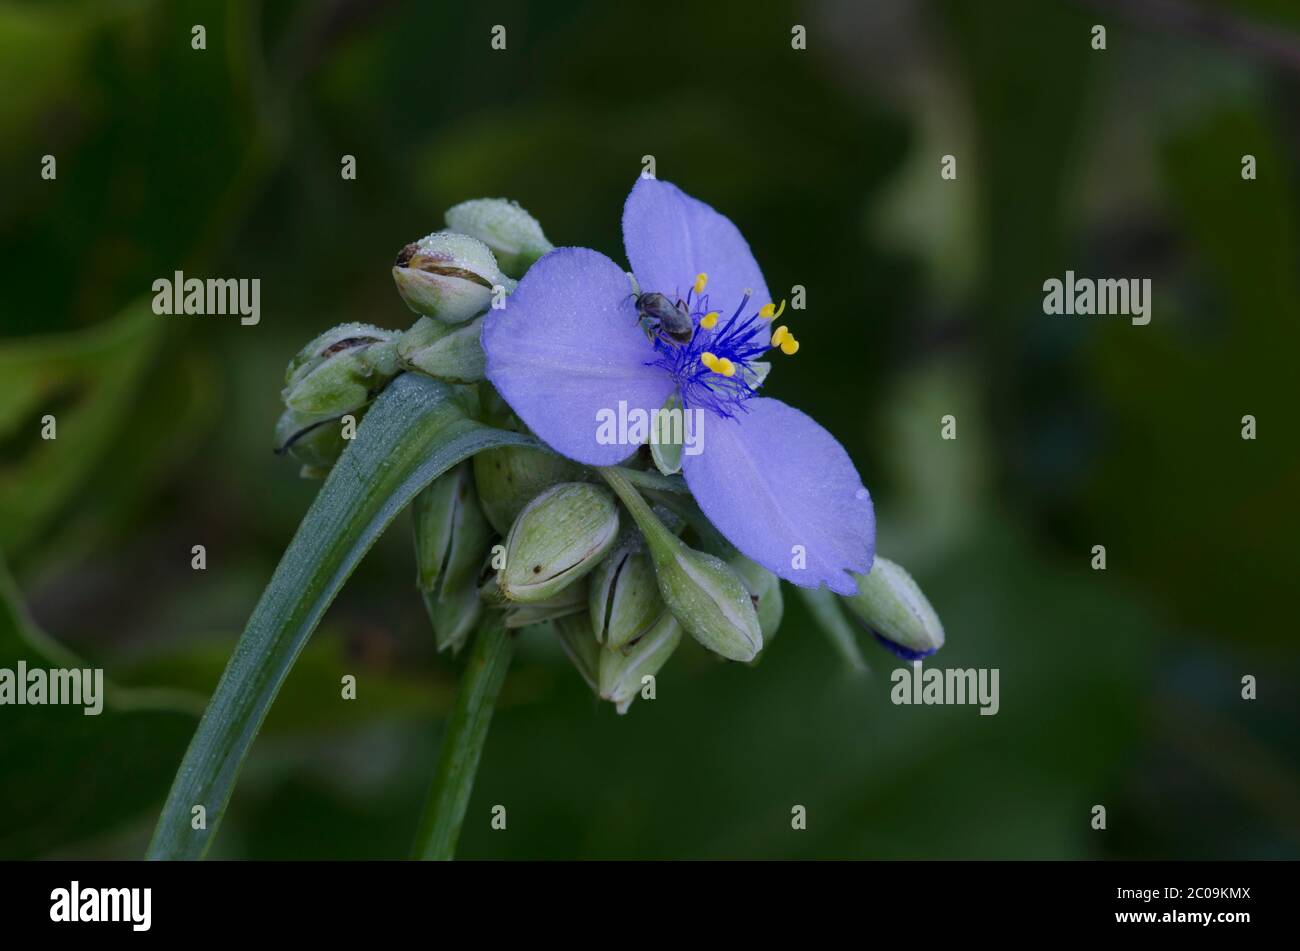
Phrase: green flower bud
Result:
[557,538]
[624,599]
[453,615]
[510,477]
[513,234]
[620,673]
[764,591]
[451,534]
[705,595]
[579,643]
[892,606]
[448,276]
[451,541]
[339,372]
[710,600]
[317,444]
[445,351]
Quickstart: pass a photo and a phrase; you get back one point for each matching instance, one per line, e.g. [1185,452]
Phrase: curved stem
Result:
[462,747]
[656,535]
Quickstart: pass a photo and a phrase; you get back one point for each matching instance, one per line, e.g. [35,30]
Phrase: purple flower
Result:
[569,346]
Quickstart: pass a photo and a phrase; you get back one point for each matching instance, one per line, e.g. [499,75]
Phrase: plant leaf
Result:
[415,431]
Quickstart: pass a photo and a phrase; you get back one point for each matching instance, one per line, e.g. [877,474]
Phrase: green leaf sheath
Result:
[462,746]
[414,432]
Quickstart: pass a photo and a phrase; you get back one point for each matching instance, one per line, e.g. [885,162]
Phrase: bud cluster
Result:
[616,562]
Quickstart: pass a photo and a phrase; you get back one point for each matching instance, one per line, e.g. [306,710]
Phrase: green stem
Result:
[825,608]
[462,747]
[656,534]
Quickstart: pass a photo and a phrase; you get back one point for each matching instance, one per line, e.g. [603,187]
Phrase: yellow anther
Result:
[709,320]
[789,346]
[718,364]
[781,333]
[771,311]
[700,280]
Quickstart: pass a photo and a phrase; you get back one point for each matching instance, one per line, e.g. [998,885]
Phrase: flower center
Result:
[716,369]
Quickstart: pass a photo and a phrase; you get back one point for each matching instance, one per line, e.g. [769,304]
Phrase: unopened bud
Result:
[448,276]
[579,643]
[710,600]
[316,443]
[705,595]
[444,351]
[453,614]
[624,599]
[340,371]
[621,672]
[451,539]
[509,477]
[764,591]
[513,234]
[892,606]
[557,538]
[451,534]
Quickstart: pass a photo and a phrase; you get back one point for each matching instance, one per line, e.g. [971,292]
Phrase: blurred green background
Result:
[1120,688]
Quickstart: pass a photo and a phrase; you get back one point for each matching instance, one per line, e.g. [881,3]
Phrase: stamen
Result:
[789,346]
[780,334]
[770,311]
[714,370]
[718,364]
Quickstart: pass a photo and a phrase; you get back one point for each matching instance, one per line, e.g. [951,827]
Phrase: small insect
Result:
[660,317]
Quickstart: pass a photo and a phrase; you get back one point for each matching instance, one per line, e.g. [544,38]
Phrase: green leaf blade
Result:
[413,433]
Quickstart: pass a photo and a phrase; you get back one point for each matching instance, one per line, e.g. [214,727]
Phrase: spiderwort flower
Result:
[569,346]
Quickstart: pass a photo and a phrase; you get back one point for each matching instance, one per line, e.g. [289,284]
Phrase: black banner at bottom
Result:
[338,900]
